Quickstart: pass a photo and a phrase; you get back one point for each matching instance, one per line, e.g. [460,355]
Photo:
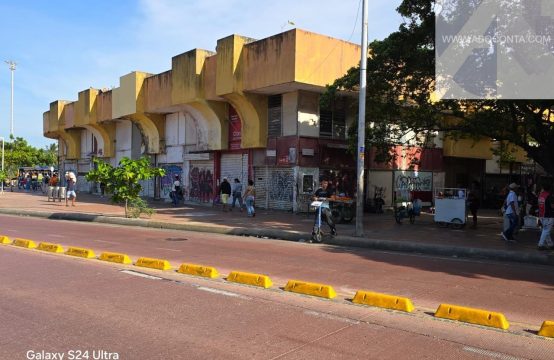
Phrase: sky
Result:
[62,47]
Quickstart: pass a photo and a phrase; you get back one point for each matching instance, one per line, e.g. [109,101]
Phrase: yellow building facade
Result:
[212,115]
[249,110]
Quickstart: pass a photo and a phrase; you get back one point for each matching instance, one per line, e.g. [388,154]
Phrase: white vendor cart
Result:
[450,207]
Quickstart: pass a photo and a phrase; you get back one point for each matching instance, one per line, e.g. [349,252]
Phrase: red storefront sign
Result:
[234,129]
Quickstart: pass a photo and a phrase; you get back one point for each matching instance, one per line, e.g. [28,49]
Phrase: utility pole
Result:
[2,139]
[12,65]
[361,127]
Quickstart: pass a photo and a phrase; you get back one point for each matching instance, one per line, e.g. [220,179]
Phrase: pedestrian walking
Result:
[250,197]
[71,189]
[53,180]
[176,190]
[546,215]
[474,203]
[511,209]
[237,194]
[225,189]
[102,189]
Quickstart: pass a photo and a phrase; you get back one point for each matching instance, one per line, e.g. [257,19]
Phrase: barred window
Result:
[274,116]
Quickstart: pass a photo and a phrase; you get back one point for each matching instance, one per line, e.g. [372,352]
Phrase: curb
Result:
[342,241]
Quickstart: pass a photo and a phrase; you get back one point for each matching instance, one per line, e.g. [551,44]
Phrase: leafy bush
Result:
[137,207]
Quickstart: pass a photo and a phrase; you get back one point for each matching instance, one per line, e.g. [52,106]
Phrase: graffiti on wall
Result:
[413,181]
[168,178]
[281,186]
[201,184]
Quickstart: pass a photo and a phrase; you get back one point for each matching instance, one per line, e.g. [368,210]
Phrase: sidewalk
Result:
[381,231]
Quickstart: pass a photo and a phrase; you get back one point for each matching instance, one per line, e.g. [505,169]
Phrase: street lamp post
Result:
[2,139]
[361,127]
[12,65]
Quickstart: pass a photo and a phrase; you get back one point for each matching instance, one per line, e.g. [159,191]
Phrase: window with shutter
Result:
[339,124]
[332,123]
[325,123]
[274,116]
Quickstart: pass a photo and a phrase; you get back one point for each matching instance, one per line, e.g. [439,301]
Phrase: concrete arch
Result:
[207,113]
[72,142]
[105,135]
[252,110]
[150,126]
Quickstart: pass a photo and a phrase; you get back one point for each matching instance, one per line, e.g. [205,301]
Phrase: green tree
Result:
[123,181]
[400,83]
[19,153]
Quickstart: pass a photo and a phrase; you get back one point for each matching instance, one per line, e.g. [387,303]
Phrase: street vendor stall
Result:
[450,207]
[411,189]
[342,208]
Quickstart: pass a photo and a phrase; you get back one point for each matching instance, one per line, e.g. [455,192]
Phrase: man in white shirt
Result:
[176,190]
[512,209]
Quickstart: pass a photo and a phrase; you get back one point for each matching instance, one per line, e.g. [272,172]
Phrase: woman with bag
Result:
[250,196]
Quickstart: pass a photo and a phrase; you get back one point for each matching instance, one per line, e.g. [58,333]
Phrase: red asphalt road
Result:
[56,303]
[523,292]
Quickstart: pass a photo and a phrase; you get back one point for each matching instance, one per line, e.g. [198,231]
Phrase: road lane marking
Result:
[222,292]
[54,235]
[146,276]
[168,249]
[331,317]
[104,241]
[491,354]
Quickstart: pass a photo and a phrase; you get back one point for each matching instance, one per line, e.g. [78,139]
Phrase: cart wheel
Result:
[457,223]
[412,218]
[336,215]
[347,215]
[397,217]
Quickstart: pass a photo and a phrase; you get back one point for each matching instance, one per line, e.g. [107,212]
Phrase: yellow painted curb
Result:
[29,244]
[55,248]
[473,316]
[115,257]
[250,279]
[80,252]
[547,329]
[5,240]
[383,301]
[198,270]
[159,264]
[307,288]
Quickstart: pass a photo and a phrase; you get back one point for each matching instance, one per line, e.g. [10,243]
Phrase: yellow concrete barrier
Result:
[5,240]
[473,316]
[80,252]
[307,288]
[159,264]
[29,244]
[547,329]
[115,258]
[198,270]
[55,248]
[383,301]
[250,279]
